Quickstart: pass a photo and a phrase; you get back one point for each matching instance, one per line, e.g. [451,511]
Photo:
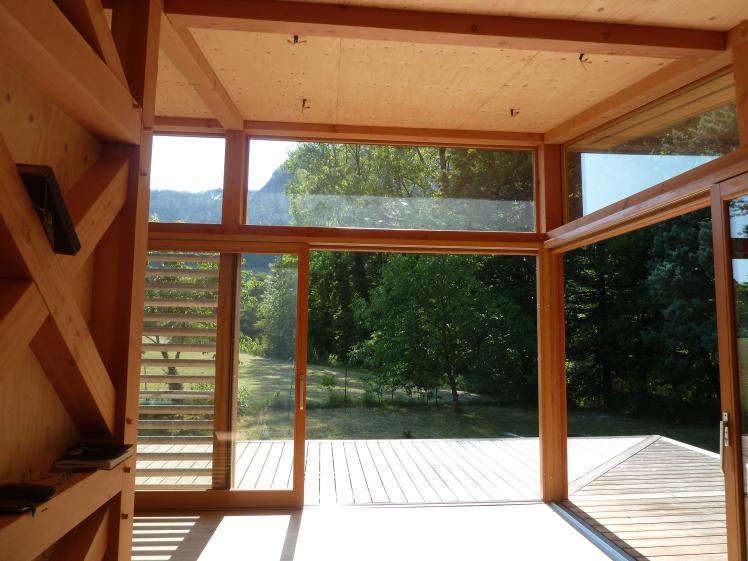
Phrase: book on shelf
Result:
[94,456]
[49,205]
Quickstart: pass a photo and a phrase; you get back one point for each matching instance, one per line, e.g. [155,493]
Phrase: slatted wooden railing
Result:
[178,371]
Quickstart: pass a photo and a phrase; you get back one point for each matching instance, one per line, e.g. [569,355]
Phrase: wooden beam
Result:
[24,537]
[89,19]
[93,203]
[44,47]
[121,255]
[234,212]
[385,24]
[684,193]
[85,542]
[320,132]
[739,41]
[552,378]
[215,237]
[73,363]
[730,383]
[550,197]
[182,49]
[670,78]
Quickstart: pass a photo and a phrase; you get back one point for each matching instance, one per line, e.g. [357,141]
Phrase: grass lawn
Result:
[266,410]
[268,396]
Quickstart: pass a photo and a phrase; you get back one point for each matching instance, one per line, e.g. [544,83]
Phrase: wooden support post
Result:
[121,256]
[551,333]
[227,343]
[739,42]
[729,377]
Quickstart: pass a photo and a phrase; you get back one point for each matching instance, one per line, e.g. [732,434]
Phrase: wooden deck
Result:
[661,501]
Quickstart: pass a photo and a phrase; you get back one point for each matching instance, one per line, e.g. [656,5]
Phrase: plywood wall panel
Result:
[35,429]
[38,132]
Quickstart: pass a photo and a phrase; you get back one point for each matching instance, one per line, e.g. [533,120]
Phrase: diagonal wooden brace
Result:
[64,344]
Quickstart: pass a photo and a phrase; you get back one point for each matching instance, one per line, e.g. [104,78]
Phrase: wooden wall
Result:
[34,425]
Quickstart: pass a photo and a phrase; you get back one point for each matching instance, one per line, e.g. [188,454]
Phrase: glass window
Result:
[187,179]
[381,186]
[652,146]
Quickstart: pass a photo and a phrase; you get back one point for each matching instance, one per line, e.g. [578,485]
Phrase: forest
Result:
[640,310]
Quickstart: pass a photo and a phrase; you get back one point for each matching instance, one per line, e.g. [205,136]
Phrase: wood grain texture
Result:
[89,19]
[359,22]
[85,542]
[740,69]
[729,385]
[44,47]
[23,537]
[71,347]
[180,46]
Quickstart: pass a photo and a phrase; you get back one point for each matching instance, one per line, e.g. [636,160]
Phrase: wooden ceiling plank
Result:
[89,19]
[45,48]
[670,78]
[739,41]
[94,202]
[179,45]
[74,365]
[384,24]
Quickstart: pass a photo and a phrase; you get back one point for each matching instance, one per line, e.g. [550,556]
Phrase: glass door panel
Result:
[266,389]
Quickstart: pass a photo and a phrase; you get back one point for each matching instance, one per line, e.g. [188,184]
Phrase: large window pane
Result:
[187,179]
[266,409]
[652,146]
[403,187]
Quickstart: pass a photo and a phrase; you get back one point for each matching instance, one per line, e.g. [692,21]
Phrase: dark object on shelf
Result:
[96,456]
[27,491]
[47,198]
[14,507]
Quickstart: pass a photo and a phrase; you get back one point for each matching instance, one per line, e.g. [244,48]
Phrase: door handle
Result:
[302,392]
[724,438]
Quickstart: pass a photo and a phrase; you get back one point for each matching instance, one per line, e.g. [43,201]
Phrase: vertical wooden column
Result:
[229,286]
[302,317]
[551,332]
[739,40]
[119,271]
[729,377]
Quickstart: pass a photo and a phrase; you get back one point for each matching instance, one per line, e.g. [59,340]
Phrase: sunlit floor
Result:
[510,532]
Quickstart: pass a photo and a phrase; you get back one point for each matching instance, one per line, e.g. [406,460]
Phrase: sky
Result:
[196,163]
[608,178]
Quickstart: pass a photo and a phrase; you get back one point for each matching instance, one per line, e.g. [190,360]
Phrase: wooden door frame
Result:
[221,495]
[721,195]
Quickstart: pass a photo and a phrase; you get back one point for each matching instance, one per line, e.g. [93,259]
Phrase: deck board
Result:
[664,502]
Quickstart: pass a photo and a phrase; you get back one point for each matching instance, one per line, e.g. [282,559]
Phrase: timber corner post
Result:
[121,257]
[551,331]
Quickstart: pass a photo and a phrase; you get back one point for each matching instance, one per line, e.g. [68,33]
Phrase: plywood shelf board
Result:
[25,537]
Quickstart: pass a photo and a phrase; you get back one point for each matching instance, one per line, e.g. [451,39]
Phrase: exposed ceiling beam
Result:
[320,132]
[384,24]
[45,48]
[665,81]
[182,49]
[89,19]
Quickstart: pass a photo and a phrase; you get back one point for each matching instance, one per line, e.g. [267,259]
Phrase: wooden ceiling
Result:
[323,78]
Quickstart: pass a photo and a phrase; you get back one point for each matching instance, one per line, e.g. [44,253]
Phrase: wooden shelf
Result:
[25,537]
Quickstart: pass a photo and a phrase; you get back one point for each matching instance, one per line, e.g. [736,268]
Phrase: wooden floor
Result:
[651,497]
[513,532]
[660,500]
